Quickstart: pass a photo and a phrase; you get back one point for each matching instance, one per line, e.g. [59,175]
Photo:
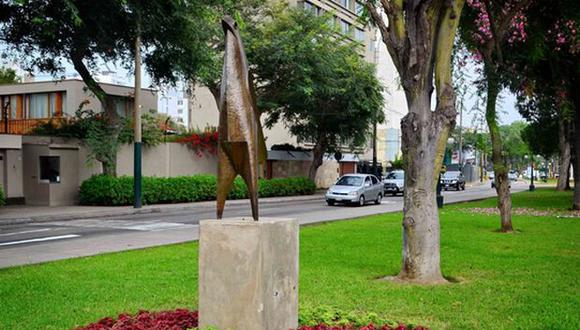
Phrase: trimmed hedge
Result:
[2,198]
[113,191]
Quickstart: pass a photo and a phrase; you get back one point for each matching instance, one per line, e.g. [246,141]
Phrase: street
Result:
[46,241]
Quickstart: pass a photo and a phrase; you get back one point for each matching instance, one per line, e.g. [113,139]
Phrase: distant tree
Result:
[514,147]
[330,99]
[44,34]
[489,28]
[546,70]
[8,76]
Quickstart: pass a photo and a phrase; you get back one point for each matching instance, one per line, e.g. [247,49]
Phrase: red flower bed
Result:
[179,319]
[182,319]
[203,142]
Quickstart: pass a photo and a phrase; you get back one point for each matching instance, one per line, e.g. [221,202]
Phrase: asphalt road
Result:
[41,242]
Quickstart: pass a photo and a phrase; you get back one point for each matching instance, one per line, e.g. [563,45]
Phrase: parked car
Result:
[355,189]
[513,175]
[394,182]
[491,175]
[453,179]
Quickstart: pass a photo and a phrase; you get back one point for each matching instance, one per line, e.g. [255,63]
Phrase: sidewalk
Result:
[19,214]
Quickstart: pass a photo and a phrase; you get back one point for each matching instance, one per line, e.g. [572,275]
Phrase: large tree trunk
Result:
[564,156]
[317,157]
[504,200]
[424,136]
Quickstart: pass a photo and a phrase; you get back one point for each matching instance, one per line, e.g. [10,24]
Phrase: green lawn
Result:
[527,280]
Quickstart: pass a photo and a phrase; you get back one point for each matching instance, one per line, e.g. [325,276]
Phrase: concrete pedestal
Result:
[248,274]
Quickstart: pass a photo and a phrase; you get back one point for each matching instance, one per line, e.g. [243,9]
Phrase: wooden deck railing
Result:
[20,126]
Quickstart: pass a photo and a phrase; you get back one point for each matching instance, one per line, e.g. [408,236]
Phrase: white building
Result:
[173,102]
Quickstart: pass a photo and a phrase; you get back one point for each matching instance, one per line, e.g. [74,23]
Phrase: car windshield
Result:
[350,181]
[451,175]
[396,176]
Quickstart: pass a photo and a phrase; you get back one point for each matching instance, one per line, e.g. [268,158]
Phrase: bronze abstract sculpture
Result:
[239,125]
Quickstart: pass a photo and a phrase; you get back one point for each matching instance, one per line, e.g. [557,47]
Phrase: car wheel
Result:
[361,200]
[463,186]
[379,199]
[330,203]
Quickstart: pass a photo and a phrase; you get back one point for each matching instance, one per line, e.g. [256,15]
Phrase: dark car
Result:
[453,179]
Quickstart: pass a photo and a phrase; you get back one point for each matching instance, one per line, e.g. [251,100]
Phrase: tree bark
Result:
[423,144]
[504,200]
[564,155]
[111,117]
[317,157]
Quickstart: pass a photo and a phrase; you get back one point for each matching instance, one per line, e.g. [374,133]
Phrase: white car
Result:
[355,189]
[394,182]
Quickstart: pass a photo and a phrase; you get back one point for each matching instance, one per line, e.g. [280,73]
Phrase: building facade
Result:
[25,105]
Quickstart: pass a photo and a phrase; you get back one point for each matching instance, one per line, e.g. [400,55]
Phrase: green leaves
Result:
[312,78]
[108,190]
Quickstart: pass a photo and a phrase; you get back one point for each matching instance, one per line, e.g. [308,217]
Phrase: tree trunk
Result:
[424,136]
[504,200]
[564,156]
[576,99]
[317,157]
[111,117]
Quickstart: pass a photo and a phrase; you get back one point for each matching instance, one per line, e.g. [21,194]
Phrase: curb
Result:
[147,210]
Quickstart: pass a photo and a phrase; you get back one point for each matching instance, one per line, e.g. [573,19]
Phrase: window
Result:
[180,111]
[38,106]
[358,8]
[344,27]
[375,180]
[345,3]
[312,8]
[359,35]
[179,102]
[50,169]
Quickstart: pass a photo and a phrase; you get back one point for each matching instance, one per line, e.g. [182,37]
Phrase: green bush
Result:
[2,198]
[107,190]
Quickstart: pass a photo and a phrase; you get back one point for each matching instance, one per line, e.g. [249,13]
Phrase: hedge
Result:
[108,190]
[2,198]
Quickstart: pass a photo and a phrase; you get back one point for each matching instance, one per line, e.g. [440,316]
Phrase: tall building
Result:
[174,102]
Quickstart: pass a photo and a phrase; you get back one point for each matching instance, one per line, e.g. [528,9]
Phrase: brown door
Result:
[346,168]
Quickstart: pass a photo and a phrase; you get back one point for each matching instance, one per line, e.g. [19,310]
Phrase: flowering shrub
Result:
[201,142]
[182,319]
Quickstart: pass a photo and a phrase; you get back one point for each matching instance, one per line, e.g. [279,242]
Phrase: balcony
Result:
[20,126]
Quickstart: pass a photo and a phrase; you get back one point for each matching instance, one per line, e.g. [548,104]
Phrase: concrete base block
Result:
[248,274]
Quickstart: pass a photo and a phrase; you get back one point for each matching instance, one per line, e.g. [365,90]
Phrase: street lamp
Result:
[532,187]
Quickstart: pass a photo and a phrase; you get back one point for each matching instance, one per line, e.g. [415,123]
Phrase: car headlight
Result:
[453,181]
[353,193]
[399,185]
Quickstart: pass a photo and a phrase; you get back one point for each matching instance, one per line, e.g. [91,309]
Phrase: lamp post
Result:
[532,187]
[137,169]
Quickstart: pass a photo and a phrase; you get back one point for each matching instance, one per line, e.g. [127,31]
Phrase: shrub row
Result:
[107,190]
[2,198]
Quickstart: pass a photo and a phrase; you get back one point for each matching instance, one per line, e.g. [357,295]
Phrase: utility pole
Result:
[137,113]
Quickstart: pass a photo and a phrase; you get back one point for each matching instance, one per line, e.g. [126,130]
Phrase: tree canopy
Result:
[8,76]
[313,79]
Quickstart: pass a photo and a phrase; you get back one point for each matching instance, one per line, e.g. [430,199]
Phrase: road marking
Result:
[51,238]
[26,232]
[121,224]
